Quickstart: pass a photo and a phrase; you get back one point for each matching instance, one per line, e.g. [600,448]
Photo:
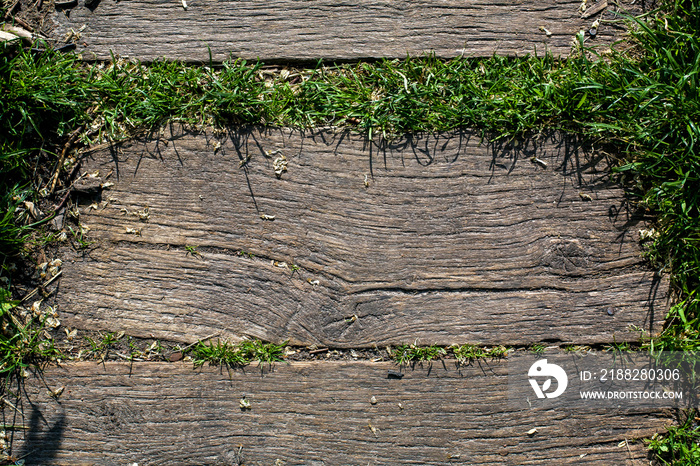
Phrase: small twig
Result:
[35,290]
[12,406]
[63,201]
[25,455]
[129,358]
[71,139]
[53,214]
[13,427]
[58,206]
[8,13]
[22,23]
[199,341]
[319,350]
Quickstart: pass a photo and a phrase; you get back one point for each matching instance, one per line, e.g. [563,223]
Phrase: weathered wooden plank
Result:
[310,413]
[308,30]
[450,242]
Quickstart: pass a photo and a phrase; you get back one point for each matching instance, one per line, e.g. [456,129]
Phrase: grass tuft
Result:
[680,445]
[21,344]
[466,353]
[237,354]
[407,354]
[99,347]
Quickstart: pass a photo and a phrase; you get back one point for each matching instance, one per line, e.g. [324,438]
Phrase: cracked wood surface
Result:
[309,30]
[447,241]
[312,413]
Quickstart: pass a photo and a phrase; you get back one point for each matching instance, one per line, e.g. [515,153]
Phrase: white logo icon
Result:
[542,369]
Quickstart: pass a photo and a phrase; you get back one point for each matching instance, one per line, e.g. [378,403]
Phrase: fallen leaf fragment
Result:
[539,162]
[280,165]
[32,209]
[71,334]
[244,162]
[56,393]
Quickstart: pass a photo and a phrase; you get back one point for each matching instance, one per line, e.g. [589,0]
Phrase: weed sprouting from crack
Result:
[236,354]
[466,353]
[414,353]
[407,354]
[102,345]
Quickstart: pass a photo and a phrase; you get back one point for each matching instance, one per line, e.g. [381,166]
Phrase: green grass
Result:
[22,340]
[414,353]
[679,446]
[236,354]
[641,104]
[408,354]
[466,353]
[99,347]
[538,348]
[192,251]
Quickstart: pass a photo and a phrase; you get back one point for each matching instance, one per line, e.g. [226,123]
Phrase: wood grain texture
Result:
[311,413]
[450,242]
[309,30]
